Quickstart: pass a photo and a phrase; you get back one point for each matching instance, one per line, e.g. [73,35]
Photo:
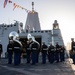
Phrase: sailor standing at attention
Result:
[62,53]
[28,52]
[57,53]
[17,47]
[10,51]
[17,52]
[44,52]
[34,48]
[51,53]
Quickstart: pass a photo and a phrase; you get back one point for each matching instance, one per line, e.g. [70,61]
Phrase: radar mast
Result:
[32,6]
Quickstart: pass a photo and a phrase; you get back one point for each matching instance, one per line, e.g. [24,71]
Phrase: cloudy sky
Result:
[48,10]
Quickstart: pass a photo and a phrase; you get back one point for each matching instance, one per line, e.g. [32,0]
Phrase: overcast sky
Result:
[48,10]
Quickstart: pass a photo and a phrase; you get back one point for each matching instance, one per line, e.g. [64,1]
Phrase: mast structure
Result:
[32,6]
[32,21]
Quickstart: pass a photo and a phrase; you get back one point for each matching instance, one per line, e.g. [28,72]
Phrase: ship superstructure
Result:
[33,27]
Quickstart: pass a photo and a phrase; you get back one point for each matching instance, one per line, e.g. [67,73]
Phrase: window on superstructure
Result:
[46,31]
[14,24]
[4,25]
[35,31]
[31,31]
[49,30]
[38,31]
[42,31]
[7,25]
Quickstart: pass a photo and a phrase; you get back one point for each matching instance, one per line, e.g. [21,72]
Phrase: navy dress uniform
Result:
[57,53]
[62,53]
[28,52]
[17,52]
[1,49]
[51,53]
[34,49]
[34,46]
[10,51]
[38,51]
[44,52]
